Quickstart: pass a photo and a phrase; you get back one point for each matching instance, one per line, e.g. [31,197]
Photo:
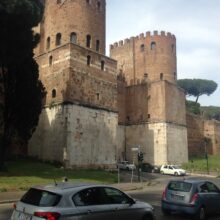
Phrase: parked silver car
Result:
[195,197]
[80,202]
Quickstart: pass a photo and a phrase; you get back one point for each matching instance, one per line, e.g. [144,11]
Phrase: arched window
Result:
[153,46]
[98,5]
[88,40]
[97,45]
[48,43]
[58,1]
[88,60]
[50,60]
[54,93]
[142,47]
[58,39]
[102,65]
[73,38]
[161,76]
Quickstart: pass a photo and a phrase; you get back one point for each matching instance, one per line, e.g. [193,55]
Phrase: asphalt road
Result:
[151,196]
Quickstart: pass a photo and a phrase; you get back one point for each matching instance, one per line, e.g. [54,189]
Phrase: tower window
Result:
[142,47]
[88,41]
[153,46]
[102,65]
[88,1]
[73,38]
[98,5]
[97,96]
[48,43]
[161,76]
[58,1]
[148,115]
[88,60]
[146,75]
[97,45]
[58,39]
[50,60]
[54,93]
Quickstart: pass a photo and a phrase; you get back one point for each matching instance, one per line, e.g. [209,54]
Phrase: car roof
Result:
[193,181]
[63,187]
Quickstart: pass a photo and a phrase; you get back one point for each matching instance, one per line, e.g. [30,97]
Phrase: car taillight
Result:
[48,215]
[14,206]
[194,198]
[164,194]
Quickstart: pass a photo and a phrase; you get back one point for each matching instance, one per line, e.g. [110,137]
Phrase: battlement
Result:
[153,36]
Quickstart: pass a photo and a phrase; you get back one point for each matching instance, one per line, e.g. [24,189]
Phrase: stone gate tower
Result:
[79,124]
[151,106]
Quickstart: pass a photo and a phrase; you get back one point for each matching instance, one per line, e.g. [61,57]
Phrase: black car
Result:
[147,167]
[198,198]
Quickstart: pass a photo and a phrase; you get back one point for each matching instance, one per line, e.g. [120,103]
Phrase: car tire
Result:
[175,174]
[162,172]
[201,214]
[166,212]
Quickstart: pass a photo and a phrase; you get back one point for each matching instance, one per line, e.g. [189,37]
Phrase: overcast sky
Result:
[195,23]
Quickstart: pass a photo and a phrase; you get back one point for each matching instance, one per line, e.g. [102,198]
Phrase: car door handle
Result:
[89,212]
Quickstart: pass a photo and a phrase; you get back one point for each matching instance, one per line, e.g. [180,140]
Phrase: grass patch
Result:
[200,164]
[24,173]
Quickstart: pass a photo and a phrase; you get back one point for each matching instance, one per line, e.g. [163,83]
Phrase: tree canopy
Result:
[197,87]
[22,91]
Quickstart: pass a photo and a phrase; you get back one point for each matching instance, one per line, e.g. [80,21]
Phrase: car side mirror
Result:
[132,201]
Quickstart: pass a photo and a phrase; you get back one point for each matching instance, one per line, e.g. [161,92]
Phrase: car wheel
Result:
[175,174]
[162,172]
[165,211]
[201,214]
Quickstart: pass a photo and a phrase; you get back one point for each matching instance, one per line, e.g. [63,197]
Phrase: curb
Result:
[203,175]
[8,201]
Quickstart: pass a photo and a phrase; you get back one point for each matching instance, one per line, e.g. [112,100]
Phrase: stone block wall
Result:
[169,141]
[78,136]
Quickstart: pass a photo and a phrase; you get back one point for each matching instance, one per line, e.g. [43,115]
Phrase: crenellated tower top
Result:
[147,57]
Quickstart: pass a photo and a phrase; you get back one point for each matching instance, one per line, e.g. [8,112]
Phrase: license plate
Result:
[23,216]
[177,197]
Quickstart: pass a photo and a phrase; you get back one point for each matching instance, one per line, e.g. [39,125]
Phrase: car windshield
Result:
[176,167]
[41,198]
[180,186]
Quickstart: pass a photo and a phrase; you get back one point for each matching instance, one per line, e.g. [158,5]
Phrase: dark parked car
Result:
[195,197]
[80,202]
[147,167]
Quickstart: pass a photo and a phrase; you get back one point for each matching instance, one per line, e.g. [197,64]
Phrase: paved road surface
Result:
[152,196]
